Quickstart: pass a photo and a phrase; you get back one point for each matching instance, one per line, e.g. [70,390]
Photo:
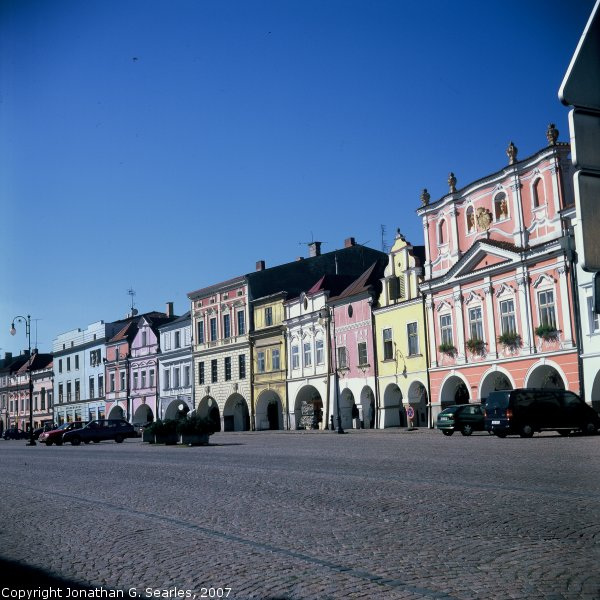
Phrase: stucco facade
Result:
[400,332]
[497,284]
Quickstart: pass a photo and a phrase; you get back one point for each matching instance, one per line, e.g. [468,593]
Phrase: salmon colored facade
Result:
[498,285]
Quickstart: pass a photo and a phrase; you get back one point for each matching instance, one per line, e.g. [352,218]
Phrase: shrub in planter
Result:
[510,339]
[476,346]
[165,432]
[448,349]
[546,332]
[195,430]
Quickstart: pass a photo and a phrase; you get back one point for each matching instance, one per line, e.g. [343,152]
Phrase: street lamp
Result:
[326,314]
[13,331]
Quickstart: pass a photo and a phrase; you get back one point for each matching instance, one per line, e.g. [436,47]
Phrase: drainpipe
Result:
[371,301]
[251,361]
[429,411]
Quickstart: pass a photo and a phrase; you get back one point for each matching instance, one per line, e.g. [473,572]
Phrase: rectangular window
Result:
[476,323]
[92,386]
[178,339]
[213,329]
[186,376]
[275,364]
[446,329]
[166,379]
[546,306]
[68,391]
[295,357]
[507,317]
[362,353]
[200,339]
[319,352]
[242,366]
[143,379]
[226,326]
[213,370]
[60,365]
[269,315]
[135,381]
[412,333]
[307,351]
[77,361]
[594,317]
[122,374]
[167,337]
[201,373]
[144,339]
[43,399]
[228,368]
[112,382]
[151,382]
[241,323]
[77,390]
[68,363]
[176,376]
[342,358]
[388,344]
[260,361]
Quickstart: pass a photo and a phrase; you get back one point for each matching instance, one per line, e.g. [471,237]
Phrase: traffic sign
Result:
[410,412]
[584,126]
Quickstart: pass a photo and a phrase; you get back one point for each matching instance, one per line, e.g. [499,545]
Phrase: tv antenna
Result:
[131,292]
[384,246]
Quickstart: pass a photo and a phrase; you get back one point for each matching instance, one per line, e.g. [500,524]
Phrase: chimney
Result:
[169,309]
[260,265]
[299,258]
[26,353]
[314,249]
[349,242]
[8,356]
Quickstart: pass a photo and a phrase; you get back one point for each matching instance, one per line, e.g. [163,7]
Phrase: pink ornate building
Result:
[498,285]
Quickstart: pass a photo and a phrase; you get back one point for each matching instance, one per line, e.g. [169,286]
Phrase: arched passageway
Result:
[308,408]
[236,416]
[269,411]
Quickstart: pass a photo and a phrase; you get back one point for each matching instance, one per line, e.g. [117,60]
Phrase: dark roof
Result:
[177,320]
[13,364]
[332,283]
[129,329]
[301,275]
[369,281]
[207,291]
[40,361]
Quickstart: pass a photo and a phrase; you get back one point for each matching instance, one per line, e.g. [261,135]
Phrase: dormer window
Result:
[500,207]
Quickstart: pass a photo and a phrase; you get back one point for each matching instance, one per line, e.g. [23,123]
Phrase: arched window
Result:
[500,207]
[538,193]
[442,232]
[470,220]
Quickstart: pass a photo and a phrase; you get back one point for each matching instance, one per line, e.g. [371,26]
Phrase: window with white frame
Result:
[201,373]
[594,317]
[214,370]
[226,326]
[319,352]
[200,332]
[213,329]
[166,379]
[295,357]
[342,356]
[151,382]
[412,333]
[388,344]
[228,368]
[546,308]
[362,354]
[135,381]
[176,377]
[122,374]
[186,376]
[91,387]
[178,339]
[269,315]
[242,365]
[508,323]
[446,334]
[275,360]
[260,361]
[144,338]
[167,338]
[476,323]
[143,379]
[241,322]
[307,351]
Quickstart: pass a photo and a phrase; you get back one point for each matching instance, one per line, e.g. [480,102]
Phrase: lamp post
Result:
[326,313]
[13,331]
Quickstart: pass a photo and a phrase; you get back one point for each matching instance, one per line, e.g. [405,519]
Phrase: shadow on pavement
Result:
[16,576]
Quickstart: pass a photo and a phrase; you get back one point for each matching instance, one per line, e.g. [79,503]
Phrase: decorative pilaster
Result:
[491,324]
[431,331]
[525,315]
[427,266]
[460,324]
[564,301]
[455,253]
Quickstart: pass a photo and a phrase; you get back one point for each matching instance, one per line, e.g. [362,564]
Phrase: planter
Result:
[476,346]
[547,332]
[448,349]
[166,438]
[195,439]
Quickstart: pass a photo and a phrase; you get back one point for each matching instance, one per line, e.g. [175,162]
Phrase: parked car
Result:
[99,430]
[525,411]
[55,436]
[46,427]
[465,418]
[14,433]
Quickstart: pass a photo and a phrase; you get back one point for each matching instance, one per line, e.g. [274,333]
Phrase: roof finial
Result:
[452,183]
[511,152]
[551,134]
[425,197]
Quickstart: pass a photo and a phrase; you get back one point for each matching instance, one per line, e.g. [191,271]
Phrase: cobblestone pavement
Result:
[286,515]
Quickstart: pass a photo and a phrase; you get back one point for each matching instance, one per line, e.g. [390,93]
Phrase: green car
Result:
[465,418]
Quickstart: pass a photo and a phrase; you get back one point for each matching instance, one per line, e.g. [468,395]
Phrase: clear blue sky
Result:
[167,145]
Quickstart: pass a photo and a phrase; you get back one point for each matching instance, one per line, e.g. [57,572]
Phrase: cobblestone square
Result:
[286,515]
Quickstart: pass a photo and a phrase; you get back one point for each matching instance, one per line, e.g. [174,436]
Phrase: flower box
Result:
[449,349]
[547,332]
[510,340]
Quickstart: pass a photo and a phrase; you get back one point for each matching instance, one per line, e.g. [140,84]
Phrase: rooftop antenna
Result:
[384,246]
[36,332]
[131,292]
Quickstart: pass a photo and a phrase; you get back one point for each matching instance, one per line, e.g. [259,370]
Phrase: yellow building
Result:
[400,333]
[269,363]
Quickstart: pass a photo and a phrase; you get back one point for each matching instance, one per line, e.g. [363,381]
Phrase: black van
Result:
[527,410]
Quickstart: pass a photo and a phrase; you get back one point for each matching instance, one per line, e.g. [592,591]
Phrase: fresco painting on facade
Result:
[496,284]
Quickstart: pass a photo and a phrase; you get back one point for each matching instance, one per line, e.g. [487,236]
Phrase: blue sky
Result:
[166,145]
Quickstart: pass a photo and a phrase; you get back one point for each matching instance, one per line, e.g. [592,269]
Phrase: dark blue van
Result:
[527,410]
